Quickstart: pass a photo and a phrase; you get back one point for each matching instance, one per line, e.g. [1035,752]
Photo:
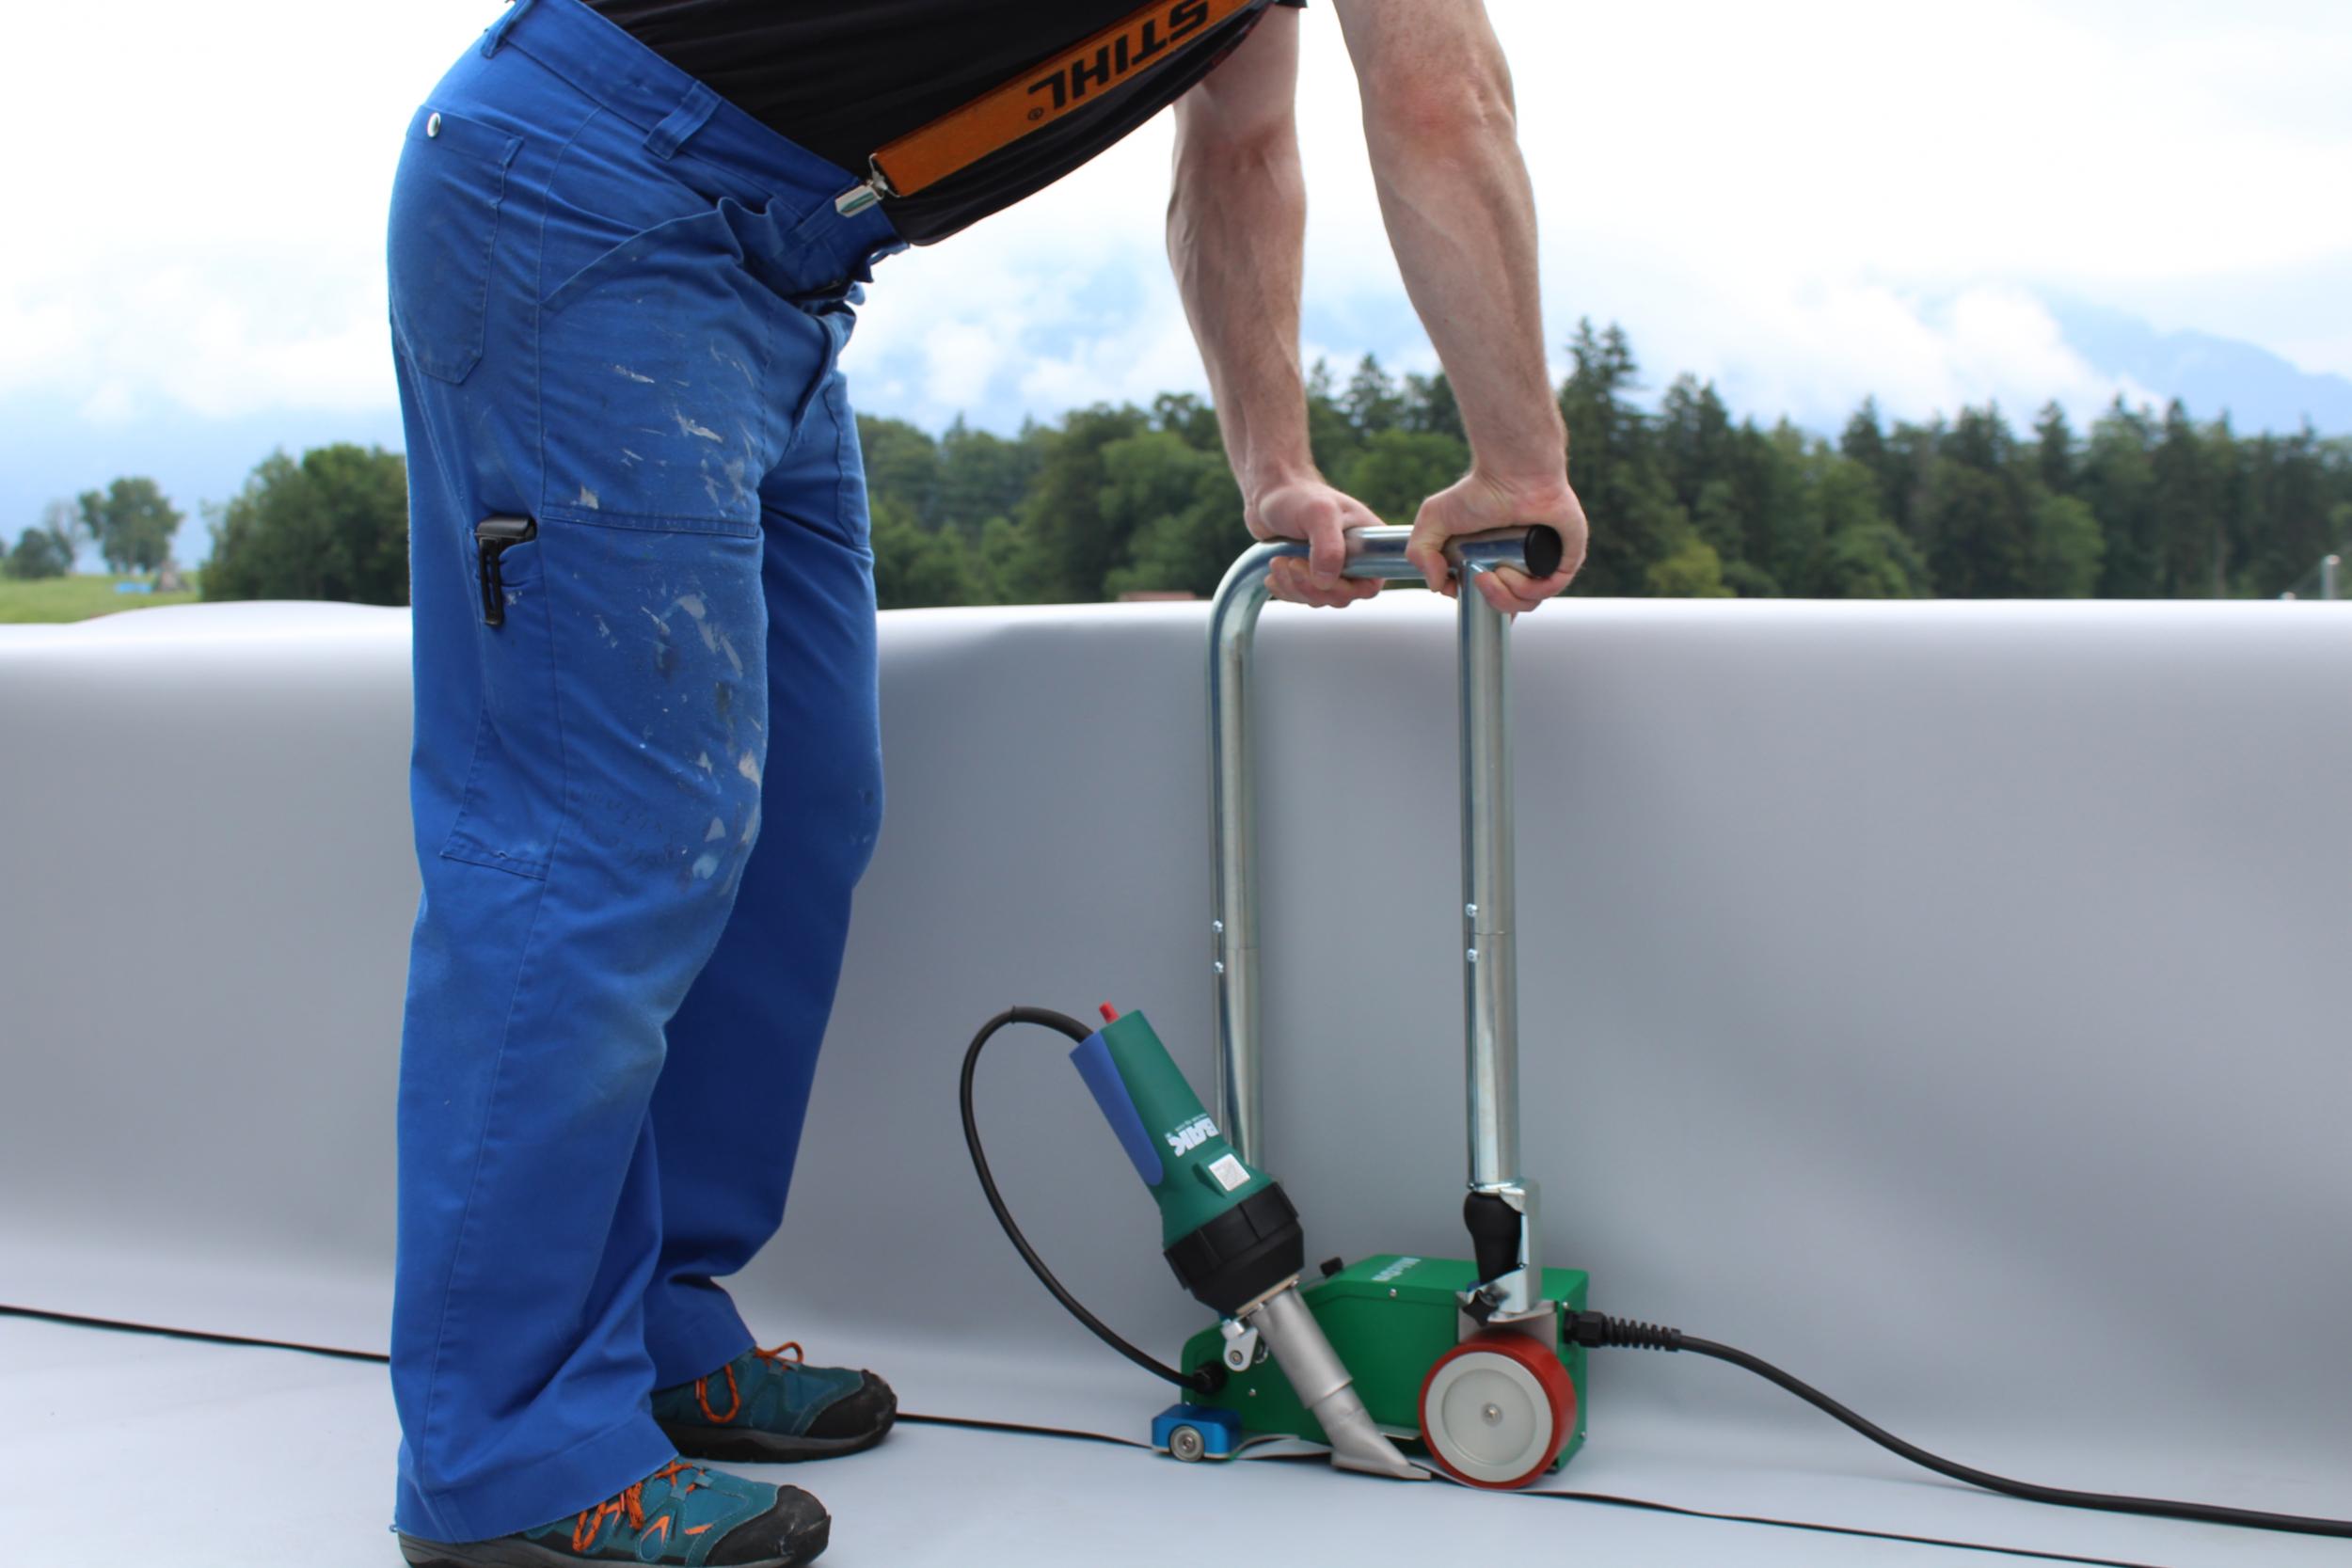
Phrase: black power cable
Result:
[1600,1331]
[1196,1382]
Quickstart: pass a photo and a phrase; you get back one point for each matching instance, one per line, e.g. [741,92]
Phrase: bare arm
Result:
[1236,228]
[1441,127]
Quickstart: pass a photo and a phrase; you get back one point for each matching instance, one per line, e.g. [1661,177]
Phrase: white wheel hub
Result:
[1489,1416]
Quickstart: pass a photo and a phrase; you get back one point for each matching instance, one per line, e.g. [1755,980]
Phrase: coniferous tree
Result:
[2187,492]
[2054,451]
[1372,402]
[1865,555]
[1330,437]
[2290,480]
[1614,467]
[1430,408]
[2118,480]
[984,476]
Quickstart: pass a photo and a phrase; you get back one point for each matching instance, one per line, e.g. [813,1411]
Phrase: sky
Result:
[1806,203]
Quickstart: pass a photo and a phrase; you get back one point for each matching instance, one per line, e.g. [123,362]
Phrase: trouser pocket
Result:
[509,809]
[623,708]
[442,239]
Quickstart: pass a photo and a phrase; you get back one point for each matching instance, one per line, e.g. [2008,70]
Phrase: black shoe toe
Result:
[866,1413]
[792,1532]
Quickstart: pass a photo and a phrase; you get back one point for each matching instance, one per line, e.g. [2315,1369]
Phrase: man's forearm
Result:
[1442,133]
[1236,228]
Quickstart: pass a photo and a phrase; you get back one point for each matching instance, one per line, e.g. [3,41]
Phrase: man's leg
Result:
[545,969]
[728,1112]
[587,771]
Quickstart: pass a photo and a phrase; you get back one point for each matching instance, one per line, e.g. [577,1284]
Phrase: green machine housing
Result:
[1388,1317]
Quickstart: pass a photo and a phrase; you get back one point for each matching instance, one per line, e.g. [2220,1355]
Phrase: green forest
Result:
[1684,500]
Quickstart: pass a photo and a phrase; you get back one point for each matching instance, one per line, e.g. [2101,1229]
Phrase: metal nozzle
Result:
[1324,1386]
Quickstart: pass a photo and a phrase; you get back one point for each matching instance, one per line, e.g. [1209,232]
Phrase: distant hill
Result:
[2210,376]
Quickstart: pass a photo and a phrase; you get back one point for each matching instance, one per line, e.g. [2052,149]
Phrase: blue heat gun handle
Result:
[1093,1061]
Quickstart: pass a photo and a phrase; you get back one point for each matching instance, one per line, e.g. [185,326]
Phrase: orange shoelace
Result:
[787,1354]
[629,1505]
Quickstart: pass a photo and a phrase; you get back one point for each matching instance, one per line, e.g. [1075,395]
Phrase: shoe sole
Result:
[746,1447]
[510,1552]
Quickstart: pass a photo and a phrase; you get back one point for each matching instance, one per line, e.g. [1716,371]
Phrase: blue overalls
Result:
[642,797]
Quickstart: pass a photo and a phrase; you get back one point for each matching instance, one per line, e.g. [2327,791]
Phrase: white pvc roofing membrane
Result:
[1945,1001]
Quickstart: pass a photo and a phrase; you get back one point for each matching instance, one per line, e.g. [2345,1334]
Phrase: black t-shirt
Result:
[845,77]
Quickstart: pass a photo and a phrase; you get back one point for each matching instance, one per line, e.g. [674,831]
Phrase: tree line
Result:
[1684,500]
[130,521]
[332,524]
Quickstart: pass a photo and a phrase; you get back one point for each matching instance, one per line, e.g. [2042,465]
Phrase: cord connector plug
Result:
[1600,1331]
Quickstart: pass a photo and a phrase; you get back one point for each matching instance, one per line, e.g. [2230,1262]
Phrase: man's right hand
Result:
[1475,504]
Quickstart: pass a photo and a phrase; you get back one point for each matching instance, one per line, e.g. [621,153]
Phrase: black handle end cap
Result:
[1545,550]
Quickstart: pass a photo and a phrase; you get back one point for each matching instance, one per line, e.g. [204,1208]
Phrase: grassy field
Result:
[78,598]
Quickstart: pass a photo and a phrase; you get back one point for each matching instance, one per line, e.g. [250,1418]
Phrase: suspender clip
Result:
[866,193]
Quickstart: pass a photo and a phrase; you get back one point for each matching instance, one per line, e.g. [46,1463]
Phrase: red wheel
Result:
[1495,1409]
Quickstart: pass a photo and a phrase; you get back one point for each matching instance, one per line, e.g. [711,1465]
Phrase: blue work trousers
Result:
[644,795]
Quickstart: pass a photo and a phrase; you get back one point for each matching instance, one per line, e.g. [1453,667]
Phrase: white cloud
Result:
[211,336]
[1806,203]
[209,236]
[1814,355]
[112,404]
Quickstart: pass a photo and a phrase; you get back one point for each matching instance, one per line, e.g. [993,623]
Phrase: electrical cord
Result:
[1196,1382]
[1600,1331]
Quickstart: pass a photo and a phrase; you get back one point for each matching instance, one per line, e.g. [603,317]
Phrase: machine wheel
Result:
[1186,1443]
[1495,1410]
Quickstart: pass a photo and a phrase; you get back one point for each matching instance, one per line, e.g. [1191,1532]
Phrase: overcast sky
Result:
[1808,201]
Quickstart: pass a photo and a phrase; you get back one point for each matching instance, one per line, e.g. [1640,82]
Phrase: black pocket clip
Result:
[491,536]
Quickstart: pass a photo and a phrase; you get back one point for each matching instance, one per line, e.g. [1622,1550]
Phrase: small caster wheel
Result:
[1495,1410]
[1192,1432]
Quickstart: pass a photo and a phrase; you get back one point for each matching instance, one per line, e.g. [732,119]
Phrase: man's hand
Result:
[1310,509]
[1475,504]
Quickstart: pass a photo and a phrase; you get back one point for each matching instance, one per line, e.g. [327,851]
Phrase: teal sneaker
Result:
[768,1407]
[681,1515]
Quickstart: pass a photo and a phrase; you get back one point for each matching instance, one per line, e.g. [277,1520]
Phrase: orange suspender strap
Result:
[1063,85]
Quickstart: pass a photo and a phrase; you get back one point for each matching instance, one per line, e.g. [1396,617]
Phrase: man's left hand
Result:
[1321,515]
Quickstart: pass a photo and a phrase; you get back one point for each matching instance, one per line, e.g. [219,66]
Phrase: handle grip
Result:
[1535,549]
